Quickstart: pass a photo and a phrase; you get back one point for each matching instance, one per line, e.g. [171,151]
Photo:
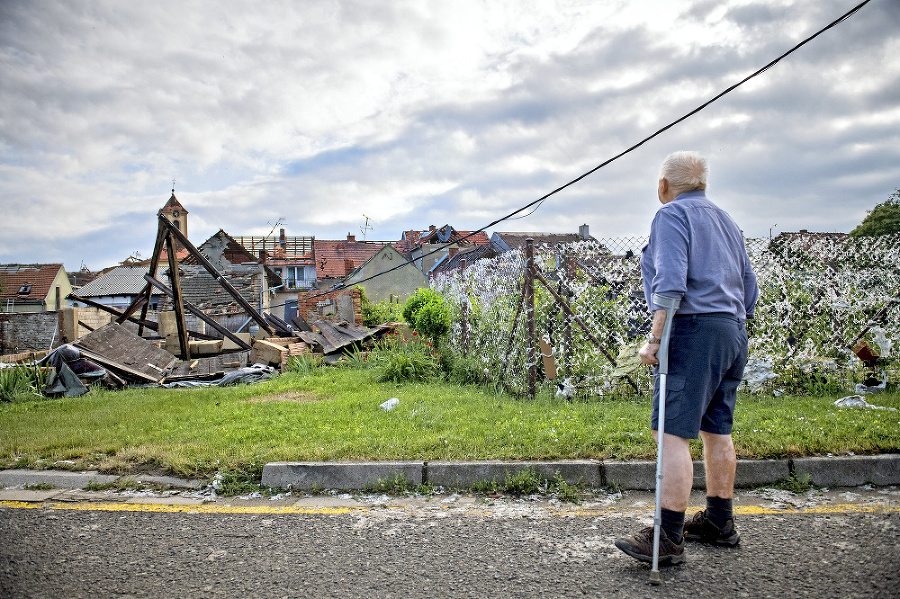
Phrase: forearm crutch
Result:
[669,305]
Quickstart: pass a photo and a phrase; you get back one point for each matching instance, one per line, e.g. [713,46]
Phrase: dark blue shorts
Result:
[707,354]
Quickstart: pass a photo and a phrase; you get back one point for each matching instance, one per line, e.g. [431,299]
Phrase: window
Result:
[298,277]
[25,289]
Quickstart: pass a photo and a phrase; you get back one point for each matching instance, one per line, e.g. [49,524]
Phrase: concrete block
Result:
[463,475]
[69,324]
[757,473]
[228,344]
[27,496]
[168,324]
[205,348]
[58,478]
[850,471]
[265,352]
[638,475]
[338,475]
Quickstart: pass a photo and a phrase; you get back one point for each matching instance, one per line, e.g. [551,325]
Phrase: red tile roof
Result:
[336,259]
[14,277]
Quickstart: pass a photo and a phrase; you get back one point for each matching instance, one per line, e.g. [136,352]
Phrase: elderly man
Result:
[696,254]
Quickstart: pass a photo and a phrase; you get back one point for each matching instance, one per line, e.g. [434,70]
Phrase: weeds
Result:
[398,485]
[121,484]
[20,383]
[303,364]
[797,484]
[39,487]
[400,361]
[528,481]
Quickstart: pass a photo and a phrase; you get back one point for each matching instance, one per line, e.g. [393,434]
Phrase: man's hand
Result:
[648,353]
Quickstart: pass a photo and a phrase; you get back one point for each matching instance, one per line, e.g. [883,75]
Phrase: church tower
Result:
[175,213]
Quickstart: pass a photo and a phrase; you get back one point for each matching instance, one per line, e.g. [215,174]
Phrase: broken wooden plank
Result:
[154,264]
[177,297]
[315,340]
[114,346]
[301,324]
[339,337]
[208,368]
[115,312]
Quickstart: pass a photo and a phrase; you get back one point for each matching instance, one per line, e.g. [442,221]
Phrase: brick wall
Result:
[336,306]
[20,331]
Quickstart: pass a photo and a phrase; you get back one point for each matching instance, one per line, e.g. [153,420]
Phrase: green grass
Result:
[333,414]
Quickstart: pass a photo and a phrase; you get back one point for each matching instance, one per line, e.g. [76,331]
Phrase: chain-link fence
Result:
[820,294]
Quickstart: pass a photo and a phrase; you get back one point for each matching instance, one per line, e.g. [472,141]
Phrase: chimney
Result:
[804,231]
[453,251]
[431,228]
[263,255]
[348,264]
[584,232]
[282,239]
[351,237]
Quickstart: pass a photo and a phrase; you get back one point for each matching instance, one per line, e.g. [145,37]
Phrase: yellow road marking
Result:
[212,508]
[180,508]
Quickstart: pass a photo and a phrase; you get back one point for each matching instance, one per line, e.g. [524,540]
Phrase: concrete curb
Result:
[837,471]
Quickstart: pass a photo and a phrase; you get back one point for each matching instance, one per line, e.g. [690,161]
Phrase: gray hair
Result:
[685,171]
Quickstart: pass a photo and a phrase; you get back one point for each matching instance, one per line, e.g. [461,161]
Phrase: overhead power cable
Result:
[632,148]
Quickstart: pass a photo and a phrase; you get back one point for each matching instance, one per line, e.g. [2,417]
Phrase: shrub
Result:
[427,314]
[433,320]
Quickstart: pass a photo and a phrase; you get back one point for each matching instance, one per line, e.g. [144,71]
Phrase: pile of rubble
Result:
[115,357]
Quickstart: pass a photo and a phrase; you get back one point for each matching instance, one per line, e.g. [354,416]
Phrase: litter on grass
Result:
[857,401]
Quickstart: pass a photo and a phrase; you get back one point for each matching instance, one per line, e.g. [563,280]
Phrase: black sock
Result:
[718,510]
[673,524]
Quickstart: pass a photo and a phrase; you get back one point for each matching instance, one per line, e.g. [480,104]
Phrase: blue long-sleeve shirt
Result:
[696,253]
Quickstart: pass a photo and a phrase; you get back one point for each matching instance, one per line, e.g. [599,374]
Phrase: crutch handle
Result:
[669,305]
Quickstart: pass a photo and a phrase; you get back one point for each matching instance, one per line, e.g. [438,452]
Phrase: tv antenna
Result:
[365,227]
[278,223]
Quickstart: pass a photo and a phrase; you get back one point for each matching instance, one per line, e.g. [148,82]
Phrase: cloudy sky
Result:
[319,114]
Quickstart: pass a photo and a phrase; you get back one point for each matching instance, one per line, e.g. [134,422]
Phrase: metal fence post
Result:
[529,317]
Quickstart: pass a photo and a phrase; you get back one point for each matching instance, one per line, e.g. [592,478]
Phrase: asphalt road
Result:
[838,544]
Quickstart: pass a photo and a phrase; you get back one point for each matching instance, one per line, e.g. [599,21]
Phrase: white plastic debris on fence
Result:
[881,340]
[390,404]
[857,401]
[758,374]
[565,389]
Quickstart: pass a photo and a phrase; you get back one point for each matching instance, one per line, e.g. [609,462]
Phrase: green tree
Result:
[883,219]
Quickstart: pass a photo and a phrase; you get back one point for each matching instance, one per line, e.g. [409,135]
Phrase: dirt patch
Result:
[294,396]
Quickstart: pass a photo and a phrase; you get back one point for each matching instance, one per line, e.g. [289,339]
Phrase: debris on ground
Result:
[390,404]
[857,401]
[116,357]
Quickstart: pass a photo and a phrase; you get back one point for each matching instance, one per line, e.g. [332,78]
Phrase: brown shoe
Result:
[699,528]
[640,547]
